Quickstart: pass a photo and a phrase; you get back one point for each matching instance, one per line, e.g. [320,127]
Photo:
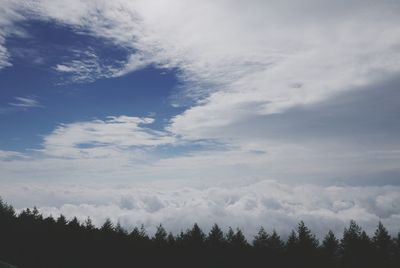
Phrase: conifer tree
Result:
[107,226]
[215,237]
[120,230]
[261,239]
[160,237]
[275,243]
[330,249]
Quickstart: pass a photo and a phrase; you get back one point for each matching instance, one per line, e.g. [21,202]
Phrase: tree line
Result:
[30,240]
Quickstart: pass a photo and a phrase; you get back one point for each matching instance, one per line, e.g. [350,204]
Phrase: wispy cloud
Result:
[25,102]
[86,68]
[21,104]
[103,138]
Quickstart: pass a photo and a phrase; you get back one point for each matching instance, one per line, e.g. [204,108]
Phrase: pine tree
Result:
[171,239]
[61,220]
[306,239]
[160,237]
[275,243]
[74,224]
[236,239]
[194,236]
[292,241]
[139,235]
[88,225]
[355,247]
[330,249]
[216,237]
[120,230]
[107,226]
[382,241]
[261,239]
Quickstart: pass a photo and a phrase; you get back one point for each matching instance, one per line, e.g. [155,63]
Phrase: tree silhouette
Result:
[30,240]
[330,250]
[355,247]
[261,239]
[383,246]
[160,237]
[216,237]
[236,239]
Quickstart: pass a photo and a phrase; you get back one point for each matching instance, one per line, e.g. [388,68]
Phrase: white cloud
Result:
[87,67]
[8,16]
[257,71]
[246,58]
[25,102]
[246,205]
[103,138]
[8,155]
[20,104]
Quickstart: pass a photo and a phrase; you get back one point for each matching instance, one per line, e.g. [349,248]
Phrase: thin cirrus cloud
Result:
[25,102]
[21,104]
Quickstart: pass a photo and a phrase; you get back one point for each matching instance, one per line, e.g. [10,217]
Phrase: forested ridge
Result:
[29,240]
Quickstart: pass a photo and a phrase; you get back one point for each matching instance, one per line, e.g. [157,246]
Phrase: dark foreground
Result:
[29,240]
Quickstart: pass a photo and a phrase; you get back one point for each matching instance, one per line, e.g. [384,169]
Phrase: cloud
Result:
[20,104]
[25,102]
[103,138]
[8,155]
[86,68]
[246,205]
[246,59]
[9,15]
[290,91]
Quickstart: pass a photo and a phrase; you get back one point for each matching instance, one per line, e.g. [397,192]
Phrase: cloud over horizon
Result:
[303,93]
[246,205]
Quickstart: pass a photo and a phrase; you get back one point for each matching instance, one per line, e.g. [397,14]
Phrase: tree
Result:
[381,240]
[74,224]
[171,239]
[160,237]
[61,220]
[107,226]
[6,211]
[261,239]
[88,225]
[330,249]
[216,236]
[139,235]
[194,236]
[275,243]
[236,239]
[291,242]
[120,230]
[355,247]
[306,239]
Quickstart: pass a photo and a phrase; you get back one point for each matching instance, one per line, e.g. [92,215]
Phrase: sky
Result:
[245,113]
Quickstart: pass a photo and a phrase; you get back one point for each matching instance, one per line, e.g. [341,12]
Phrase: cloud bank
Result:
[246,205]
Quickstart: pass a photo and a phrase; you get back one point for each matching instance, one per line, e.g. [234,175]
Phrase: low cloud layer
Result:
[246,205]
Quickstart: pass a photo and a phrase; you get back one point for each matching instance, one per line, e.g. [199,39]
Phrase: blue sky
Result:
[127,108]
[58,99]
